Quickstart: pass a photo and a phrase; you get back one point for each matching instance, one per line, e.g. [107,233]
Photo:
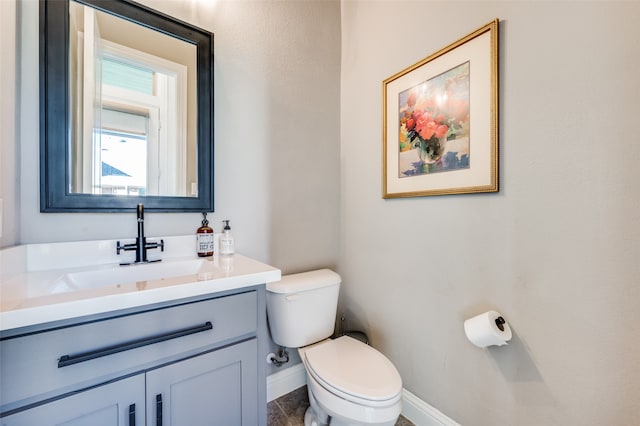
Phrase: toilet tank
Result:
[301,308]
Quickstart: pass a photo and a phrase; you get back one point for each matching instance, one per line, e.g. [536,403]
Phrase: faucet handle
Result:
[155,244]
[125,247]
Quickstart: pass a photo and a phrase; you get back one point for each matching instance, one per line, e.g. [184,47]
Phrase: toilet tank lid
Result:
[304,281]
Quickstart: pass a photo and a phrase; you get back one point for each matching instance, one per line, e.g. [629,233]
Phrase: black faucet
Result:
[141,245]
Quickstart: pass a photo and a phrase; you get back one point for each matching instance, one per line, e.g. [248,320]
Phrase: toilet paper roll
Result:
[483,330]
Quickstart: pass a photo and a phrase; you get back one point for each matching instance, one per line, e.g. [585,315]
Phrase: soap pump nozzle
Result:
[227,228]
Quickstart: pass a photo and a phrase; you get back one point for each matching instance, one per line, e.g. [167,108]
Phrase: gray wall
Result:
[556,250]
[276,134]
[9,190]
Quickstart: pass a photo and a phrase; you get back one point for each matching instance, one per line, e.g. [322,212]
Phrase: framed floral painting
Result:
[440,121]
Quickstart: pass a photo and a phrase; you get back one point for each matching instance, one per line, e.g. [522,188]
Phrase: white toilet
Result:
[349,382]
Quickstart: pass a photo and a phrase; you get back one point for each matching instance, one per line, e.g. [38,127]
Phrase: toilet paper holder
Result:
[488,329]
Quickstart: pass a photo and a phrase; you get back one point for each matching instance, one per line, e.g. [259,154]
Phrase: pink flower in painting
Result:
[428,130]
[422,121]
[441,130]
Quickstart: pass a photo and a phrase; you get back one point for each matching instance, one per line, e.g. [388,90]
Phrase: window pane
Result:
[124,165]
[126,76]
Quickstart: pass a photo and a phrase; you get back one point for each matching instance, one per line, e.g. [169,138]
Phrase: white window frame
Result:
[167,112]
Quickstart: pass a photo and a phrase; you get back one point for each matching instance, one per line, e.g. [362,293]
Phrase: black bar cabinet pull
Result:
[66,360]
[132,415]
[159,409]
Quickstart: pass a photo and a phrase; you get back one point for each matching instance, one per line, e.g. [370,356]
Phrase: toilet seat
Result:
[354,371]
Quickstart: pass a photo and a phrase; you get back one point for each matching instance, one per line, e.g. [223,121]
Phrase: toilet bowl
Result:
[349,382]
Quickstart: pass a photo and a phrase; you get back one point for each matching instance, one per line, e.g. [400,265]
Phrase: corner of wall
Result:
[9,213]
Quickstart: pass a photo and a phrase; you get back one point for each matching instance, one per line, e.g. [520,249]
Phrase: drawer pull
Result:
[159,409]
[66,360]
[132,415]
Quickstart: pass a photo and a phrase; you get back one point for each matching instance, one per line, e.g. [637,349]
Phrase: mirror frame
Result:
[54,111]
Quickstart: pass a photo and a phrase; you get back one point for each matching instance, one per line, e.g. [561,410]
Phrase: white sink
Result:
[118,275]
[50,282]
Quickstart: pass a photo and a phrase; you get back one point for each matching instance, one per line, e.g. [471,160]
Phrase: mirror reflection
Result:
[132,108]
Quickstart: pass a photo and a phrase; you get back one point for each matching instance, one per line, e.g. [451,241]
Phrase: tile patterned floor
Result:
[289,409]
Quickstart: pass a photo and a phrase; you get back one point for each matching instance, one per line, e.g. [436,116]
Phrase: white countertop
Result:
[32,295]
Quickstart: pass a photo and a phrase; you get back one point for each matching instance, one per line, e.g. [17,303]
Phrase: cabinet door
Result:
[119,403]
[214,389]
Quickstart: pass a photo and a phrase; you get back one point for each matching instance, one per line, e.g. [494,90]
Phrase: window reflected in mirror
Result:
[132,108]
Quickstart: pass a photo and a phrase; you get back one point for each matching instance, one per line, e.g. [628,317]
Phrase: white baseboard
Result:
[413,408]
[423,414]
[285,381]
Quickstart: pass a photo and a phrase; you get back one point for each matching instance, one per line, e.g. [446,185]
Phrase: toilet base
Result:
[319,414]
[311,419]
[314,416]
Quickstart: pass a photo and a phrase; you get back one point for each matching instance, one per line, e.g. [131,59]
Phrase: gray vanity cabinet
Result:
[190,363]
[214,389]
[113,404]
[211,389]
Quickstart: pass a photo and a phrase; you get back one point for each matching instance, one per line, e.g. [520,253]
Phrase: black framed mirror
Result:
[126,109]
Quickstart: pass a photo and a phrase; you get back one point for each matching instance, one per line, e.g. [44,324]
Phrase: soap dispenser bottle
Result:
[204,238]
[226,240]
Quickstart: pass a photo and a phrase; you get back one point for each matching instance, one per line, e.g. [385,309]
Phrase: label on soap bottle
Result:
[205,244]
[205,240]
[226,244]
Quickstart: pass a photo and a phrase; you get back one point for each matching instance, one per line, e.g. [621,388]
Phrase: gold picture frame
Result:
[440,121]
